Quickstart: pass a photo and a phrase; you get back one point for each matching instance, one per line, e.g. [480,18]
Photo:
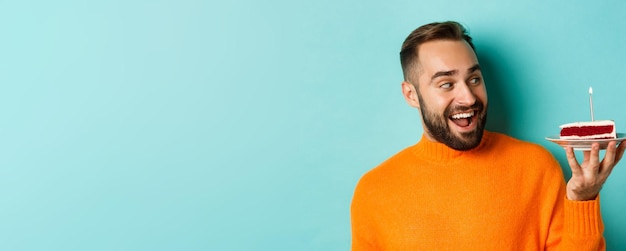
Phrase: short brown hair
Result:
[449,30]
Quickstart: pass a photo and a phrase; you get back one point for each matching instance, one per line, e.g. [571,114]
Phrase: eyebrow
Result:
[443,73]
[474,68]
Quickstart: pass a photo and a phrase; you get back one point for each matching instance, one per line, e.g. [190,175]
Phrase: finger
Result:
[609,159]
[573,163]
[594,158]
[586,155]
[620,151]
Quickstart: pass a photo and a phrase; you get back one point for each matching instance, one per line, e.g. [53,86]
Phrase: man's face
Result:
[451,93]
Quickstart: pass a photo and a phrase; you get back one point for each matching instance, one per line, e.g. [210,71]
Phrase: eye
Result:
[446,85]
[475,81]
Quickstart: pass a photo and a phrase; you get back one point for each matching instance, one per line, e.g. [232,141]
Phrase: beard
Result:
[438,128]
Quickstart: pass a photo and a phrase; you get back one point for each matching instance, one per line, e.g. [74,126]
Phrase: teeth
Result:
[462,115]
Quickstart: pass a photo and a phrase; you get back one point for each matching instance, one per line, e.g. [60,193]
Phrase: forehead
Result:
[445,55]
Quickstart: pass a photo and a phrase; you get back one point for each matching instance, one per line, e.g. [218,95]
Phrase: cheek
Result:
[439,105]
[435,103]
[483,99]
[481,94]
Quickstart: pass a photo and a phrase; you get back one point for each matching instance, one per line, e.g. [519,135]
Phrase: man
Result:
[463,188]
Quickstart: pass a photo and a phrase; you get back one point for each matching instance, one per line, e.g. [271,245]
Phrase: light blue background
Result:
[245,125]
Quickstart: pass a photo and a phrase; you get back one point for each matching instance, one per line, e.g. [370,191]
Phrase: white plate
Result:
[585,144]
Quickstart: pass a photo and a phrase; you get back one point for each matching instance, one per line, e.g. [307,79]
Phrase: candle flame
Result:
[590,90]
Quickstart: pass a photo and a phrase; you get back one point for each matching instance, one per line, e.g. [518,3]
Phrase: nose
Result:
[465,95]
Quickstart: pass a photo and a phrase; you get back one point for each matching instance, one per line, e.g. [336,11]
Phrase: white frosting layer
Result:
[590,123]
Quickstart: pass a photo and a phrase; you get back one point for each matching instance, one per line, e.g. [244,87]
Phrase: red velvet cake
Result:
[601,129]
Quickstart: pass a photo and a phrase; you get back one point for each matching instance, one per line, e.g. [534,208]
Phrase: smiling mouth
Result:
[463,119]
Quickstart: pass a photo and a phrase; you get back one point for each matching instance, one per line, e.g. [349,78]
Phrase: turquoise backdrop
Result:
[245,125]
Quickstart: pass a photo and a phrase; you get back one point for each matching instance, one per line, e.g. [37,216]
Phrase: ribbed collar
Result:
[438,152]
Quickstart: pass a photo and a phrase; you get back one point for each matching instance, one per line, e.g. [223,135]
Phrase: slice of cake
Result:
[600,129]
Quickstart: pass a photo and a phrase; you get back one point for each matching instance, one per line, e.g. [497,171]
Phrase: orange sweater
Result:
[505,194]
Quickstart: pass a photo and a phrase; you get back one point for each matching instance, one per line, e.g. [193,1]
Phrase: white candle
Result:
[591,102]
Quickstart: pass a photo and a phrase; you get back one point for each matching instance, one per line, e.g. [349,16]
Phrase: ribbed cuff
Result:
[583,217]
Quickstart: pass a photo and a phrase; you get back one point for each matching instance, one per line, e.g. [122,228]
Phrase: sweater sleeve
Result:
[583,227]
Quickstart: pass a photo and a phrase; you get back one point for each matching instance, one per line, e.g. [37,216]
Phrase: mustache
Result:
[478,106]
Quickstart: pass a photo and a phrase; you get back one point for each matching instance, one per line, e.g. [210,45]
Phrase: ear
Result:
[410,94]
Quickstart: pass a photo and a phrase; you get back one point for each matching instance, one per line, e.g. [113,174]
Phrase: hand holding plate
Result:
[589,176]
